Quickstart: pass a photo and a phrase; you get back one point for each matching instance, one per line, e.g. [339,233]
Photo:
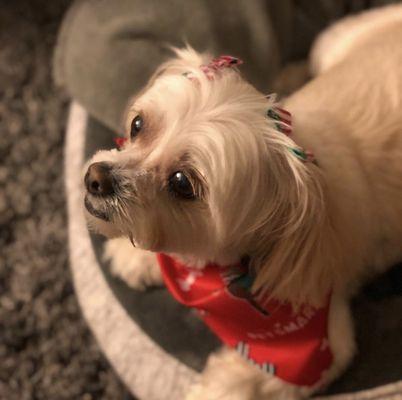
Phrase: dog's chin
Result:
[94,210]
[99,220]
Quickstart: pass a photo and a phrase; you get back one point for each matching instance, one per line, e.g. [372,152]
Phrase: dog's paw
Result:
[138,268]
[271,389]
[216,390]
[228,376]
[212,392]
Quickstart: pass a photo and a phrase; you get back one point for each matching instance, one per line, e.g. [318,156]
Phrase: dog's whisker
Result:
[132,240]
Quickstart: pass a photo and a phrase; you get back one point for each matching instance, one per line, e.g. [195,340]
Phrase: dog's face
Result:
[203,173]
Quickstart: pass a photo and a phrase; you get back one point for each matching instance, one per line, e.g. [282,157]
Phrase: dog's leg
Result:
[341,337]
[228,376]
[138,268]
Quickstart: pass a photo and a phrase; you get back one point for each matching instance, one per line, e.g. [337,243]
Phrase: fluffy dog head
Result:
[206,175]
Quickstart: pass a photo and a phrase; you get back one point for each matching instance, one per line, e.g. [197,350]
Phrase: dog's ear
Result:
[291,243]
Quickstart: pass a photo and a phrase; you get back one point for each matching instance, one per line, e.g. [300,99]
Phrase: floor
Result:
[46,350]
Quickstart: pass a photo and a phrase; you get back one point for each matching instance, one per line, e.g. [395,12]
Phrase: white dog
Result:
[207,177]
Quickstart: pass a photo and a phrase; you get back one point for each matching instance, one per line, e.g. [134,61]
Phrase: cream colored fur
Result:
[308,229]
[135,266]
[339,41]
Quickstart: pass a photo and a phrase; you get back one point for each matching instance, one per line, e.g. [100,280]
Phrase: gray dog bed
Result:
[158,347]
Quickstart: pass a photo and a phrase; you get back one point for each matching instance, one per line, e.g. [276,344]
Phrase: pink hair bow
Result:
[219,63]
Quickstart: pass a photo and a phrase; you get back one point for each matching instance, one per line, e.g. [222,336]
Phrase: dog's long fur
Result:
[308,229]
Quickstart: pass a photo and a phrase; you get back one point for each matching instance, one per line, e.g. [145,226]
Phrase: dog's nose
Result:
[99,180]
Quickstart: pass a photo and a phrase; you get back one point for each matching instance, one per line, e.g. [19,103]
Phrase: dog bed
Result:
[158,347]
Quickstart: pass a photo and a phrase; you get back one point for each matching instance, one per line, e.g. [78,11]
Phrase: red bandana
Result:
[292,346]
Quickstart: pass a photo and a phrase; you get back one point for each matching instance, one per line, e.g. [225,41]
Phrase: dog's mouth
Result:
[101,214]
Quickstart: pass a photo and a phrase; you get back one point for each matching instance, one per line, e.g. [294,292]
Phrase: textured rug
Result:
[46,350]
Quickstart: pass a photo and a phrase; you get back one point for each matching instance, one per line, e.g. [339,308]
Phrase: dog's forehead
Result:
[178,94]
[172,87]
[196,119]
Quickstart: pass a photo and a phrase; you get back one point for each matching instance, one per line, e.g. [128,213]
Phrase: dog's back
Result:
[350,116]
[340,39]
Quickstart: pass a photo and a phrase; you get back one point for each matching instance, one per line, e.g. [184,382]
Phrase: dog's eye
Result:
[136,125]
[181,186]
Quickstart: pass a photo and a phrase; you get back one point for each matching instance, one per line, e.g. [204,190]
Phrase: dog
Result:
[213,172]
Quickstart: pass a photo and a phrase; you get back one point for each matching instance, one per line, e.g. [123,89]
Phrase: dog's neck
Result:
[289,263]
[292,267]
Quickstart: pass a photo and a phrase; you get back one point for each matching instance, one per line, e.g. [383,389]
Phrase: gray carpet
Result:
[46,350]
